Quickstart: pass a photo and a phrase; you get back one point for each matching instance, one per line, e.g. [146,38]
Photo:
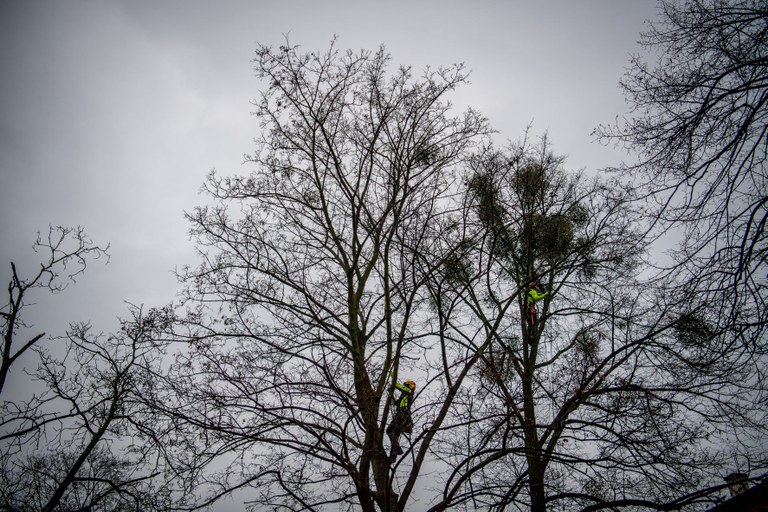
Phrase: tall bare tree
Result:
[61,425]
[698,122]
[315,266]
[82,442]
[614,396]
[66,252]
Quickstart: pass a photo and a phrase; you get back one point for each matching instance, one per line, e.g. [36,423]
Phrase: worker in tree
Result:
[401,422]
[534,295]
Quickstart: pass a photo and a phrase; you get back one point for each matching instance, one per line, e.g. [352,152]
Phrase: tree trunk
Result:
[536,485]
[532,449]
[375,457]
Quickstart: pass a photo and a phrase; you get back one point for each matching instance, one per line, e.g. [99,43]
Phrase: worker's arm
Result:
[536,296]
[403,387]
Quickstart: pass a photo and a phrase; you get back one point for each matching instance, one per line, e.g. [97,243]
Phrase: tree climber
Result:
[401,422]
[534,295]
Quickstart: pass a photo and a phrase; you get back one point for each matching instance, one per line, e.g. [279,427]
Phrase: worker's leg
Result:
[396,449]
[393,432]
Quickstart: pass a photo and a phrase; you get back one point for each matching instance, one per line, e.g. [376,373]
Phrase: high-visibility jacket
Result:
[404,401]
[534,296]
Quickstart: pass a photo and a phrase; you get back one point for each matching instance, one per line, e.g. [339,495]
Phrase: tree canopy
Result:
[698,122]
[317,264]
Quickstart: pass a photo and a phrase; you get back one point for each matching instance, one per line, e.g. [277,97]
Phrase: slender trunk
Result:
[10,320]
[533,451]
[536,486]
[535,465]
[7,360]
[5,364]
[374,458]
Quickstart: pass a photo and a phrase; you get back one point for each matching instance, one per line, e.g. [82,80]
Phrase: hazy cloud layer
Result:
[111,113]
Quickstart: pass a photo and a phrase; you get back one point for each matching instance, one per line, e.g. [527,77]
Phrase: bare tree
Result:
[699,125]
[80,444]
[66,252]
[311,298]
[105,482]
[612,397]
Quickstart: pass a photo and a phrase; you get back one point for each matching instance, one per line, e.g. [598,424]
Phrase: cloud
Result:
[111,113]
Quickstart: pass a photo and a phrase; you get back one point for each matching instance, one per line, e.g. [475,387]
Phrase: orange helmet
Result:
[410,384]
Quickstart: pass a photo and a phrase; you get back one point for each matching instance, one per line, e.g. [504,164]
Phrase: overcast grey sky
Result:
[112,112]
